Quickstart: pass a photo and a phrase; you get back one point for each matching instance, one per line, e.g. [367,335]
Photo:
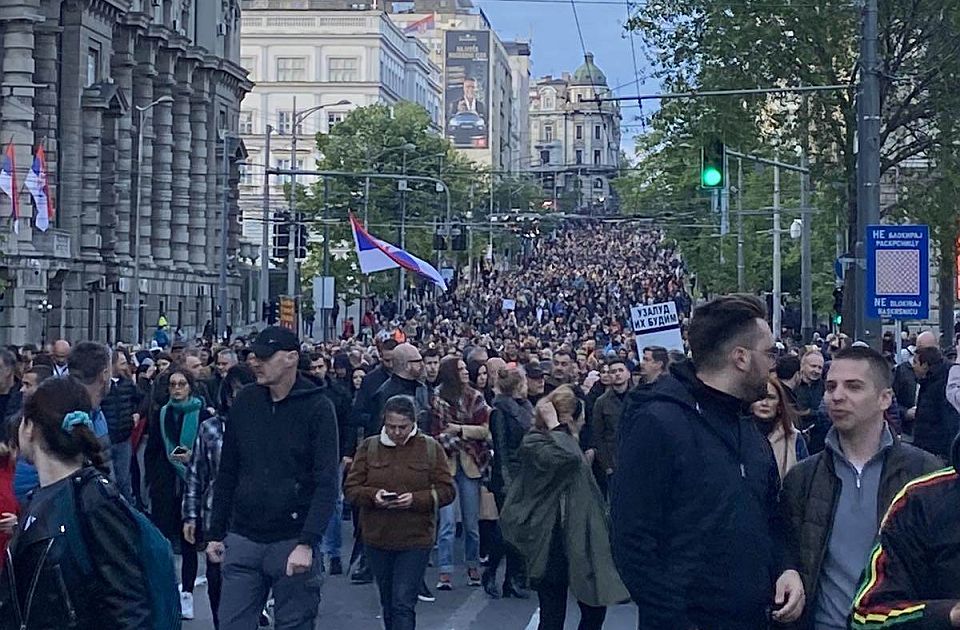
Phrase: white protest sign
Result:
[509,305]
[657,325]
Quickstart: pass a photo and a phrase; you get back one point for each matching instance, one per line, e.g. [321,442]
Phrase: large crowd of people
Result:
[734,486]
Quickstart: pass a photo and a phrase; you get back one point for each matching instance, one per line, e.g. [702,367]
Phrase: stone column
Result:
[162,159]
[109,185]
[214,169]
[199,103]
[122,65]
[90,196]
[143,95]
[182,136]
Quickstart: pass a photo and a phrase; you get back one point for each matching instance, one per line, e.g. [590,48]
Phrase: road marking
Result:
[470,610]
[534,620]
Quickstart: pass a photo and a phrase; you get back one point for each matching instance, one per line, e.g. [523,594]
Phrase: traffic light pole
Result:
[265,237]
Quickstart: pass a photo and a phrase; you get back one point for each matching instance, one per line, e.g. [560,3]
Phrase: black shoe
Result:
[363,574]
[425,595]
[336,567]
[489,582]
[511,588]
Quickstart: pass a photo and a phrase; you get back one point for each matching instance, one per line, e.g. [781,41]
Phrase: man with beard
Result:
[697,543]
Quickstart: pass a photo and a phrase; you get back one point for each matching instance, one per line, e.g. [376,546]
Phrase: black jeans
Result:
[498,549]
[553,609]
[214,586]
[190,565]
[398,575]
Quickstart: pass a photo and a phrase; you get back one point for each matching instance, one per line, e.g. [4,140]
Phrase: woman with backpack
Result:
[74,561]
[399,479]
[173,431]
[201,475]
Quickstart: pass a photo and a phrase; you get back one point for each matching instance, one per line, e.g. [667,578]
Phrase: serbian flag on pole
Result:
[8,182]
[376,255]
[37,185]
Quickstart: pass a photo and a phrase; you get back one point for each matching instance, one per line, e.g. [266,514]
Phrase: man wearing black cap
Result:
[276,488]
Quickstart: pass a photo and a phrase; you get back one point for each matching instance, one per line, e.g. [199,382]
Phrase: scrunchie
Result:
[75,418]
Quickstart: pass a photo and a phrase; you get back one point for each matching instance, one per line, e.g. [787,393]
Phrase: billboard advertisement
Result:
[467,88]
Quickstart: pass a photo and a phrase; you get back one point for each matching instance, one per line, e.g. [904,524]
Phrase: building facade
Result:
[79,77]
[468,51]
[329,57]
[575,145]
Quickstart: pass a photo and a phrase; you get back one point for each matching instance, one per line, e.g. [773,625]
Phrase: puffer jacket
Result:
[936,422]
[118,407]
[510,420]
[47,585]
[809,500]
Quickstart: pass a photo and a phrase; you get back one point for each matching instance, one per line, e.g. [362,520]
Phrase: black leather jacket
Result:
[72,564]
[509,422]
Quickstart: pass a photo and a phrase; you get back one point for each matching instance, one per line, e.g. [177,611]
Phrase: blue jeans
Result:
[333,536]
[398,575]
[121,454]
[468,494]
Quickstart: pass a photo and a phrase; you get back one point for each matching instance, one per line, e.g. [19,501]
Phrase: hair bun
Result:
[75,418]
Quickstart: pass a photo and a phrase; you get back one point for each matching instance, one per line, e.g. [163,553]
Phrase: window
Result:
[596,156]
[246,175]
[544,158]
[579,132]
[93,66]
[333,118]
[248,63]
[596,132]
[291,69]
[284,164]
[548,133]
[598,183]
[285,122]
[548,99]
[343,69]
[579,156]
[246,122]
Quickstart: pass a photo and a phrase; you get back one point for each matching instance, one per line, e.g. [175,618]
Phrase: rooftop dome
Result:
[589,73]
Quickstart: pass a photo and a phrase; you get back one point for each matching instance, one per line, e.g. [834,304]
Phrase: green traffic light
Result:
[711,177]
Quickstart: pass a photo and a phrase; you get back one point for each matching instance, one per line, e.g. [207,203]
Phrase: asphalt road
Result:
[353,607]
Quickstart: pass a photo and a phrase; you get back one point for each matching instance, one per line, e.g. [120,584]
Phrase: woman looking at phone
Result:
[399,479]
[173,431]
[555,516]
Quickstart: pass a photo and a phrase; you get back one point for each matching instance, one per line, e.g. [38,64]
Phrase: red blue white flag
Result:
[376,255]
[36,183]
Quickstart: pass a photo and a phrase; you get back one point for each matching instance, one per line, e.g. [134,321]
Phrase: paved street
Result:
[353,607]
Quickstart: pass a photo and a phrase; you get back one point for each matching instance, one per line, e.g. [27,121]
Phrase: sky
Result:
[555,45]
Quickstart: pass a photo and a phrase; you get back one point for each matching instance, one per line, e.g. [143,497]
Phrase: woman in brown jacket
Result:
[399,479]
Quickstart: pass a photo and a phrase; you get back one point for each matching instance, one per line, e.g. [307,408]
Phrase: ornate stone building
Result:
[78,77]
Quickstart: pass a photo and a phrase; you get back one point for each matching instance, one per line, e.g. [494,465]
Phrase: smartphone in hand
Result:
[389,496]
[179,451]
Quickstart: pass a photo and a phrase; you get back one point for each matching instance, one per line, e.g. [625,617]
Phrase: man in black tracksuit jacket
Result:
[276,489]
[912,579]
[363,403]
[695,529]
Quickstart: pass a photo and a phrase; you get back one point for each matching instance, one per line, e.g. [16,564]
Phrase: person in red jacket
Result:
[8,502]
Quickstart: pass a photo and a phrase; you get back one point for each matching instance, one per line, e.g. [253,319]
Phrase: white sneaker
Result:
[200,581]
[186,606]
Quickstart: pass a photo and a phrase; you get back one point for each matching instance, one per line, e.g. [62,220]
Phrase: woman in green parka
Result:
[556,518]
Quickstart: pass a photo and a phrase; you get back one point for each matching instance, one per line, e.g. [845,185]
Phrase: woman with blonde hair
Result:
[777,419]
[554,516]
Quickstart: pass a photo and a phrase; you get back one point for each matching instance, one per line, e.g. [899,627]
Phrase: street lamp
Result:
[298,118]
[137,324]
[402,186]
[44,308]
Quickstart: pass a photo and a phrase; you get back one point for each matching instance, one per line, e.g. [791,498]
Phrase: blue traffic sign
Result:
[898,271]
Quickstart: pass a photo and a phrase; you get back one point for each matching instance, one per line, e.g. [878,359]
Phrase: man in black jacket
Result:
[119,407]
[276,489]
[695,529]
[833,501]
[912,579]
[405,381]
[935,421]
[371,383]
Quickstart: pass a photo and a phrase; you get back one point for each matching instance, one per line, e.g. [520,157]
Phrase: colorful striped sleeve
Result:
[891,591]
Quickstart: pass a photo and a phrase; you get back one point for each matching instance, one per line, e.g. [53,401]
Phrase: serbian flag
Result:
[8,182]
[376,255]
[37,185]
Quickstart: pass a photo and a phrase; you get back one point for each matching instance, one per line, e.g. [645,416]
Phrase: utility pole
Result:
[265,237]
[775,302]
[292,219]
[403,232]
[741,267]
[868,167]
[326,262]
[806,228]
